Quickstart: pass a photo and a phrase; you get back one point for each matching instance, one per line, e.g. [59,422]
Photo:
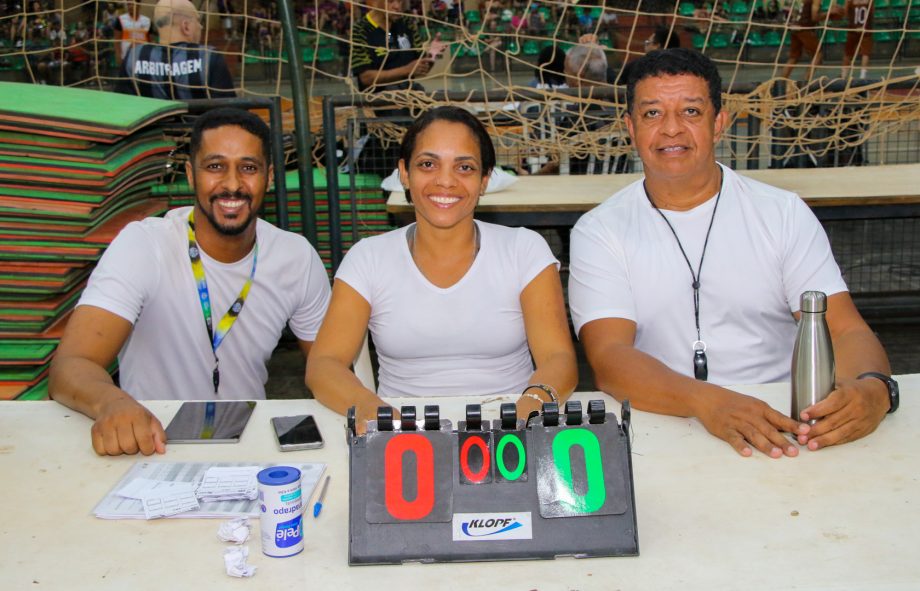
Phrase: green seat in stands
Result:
[740,8]
[755,39]
[326,53]
[719,40]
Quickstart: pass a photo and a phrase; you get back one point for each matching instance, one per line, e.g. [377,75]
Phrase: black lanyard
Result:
[700,367]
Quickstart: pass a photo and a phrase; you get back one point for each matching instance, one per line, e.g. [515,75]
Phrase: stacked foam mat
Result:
[370,205]
[76,166]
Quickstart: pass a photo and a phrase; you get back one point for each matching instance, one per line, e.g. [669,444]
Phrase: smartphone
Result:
[297,432]
[216,421]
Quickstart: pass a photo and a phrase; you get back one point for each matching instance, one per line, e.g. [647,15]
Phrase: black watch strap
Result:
[894,394]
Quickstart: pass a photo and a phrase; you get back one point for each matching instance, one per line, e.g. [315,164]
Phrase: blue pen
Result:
[318,506]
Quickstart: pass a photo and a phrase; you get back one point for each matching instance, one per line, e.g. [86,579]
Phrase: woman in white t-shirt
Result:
[455,306]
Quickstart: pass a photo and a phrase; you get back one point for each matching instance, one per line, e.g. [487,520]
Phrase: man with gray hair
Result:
[177,68]
[585,65]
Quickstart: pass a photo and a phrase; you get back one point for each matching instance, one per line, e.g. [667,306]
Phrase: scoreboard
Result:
[559,484]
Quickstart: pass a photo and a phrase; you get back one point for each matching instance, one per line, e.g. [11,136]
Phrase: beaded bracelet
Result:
[548,389]
[534,396]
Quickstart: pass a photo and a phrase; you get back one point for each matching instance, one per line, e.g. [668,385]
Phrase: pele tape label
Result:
[483,527]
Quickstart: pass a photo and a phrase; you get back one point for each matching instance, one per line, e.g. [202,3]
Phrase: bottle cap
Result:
[814,301]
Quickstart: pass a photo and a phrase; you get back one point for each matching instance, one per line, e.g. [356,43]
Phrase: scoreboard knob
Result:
[473,417]
[596,412]
[432,417]
[573,412]
[384,418]
[508,415]
[550,414]
[408,418]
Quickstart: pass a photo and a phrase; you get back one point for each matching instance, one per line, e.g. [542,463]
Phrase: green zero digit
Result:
[594,498]
[500,457]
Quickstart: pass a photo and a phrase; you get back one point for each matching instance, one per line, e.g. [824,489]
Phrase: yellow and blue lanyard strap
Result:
[226,323]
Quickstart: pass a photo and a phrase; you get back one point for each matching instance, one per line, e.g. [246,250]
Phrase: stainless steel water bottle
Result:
[813,355]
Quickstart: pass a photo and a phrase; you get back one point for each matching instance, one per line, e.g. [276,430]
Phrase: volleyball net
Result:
[797,88]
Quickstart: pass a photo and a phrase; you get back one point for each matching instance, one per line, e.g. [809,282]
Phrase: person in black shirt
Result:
[386,55]
[387,48]
[178,68]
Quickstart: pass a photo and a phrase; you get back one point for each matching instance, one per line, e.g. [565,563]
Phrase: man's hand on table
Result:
[743,421]
[124,426]
[850,412]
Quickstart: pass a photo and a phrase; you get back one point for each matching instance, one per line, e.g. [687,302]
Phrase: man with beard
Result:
[192,304]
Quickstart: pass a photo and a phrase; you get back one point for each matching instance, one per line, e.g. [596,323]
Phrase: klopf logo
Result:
[479,528]
[468,527]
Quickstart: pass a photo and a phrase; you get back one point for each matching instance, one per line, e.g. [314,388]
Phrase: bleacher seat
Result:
[773,38]
[885,36]
[739,10]
[755,39]
[719,40]
[686,9]
[326,53]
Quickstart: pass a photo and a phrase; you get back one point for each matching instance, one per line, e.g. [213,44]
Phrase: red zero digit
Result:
[396,504]
[465,459]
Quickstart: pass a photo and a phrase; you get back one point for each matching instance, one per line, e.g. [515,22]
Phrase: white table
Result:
[561,200]
[841,518]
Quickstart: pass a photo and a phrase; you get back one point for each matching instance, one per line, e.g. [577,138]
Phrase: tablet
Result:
[216,421]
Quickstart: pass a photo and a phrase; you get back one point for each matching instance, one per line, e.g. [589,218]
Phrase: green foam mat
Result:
[102,112]
[21,350]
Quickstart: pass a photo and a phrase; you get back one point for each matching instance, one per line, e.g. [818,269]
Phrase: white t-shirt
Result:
[145,277]
[765,249]
[467,339]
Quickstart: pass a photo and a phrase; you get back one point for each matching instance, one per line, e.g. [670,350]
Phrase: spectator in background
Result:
[537,23]
[179,68]
[662,38]
[860,16]
[387,54]
[549,72]
[36,24]
[51,65]
[802,22]
[78,54]
[585,65]
[132,27]
[227,19]
[610,23]
[491,26]
[109,17]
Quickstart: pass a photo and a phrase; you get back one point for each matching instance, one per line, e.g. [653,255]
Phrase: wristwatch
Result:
[894,396]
